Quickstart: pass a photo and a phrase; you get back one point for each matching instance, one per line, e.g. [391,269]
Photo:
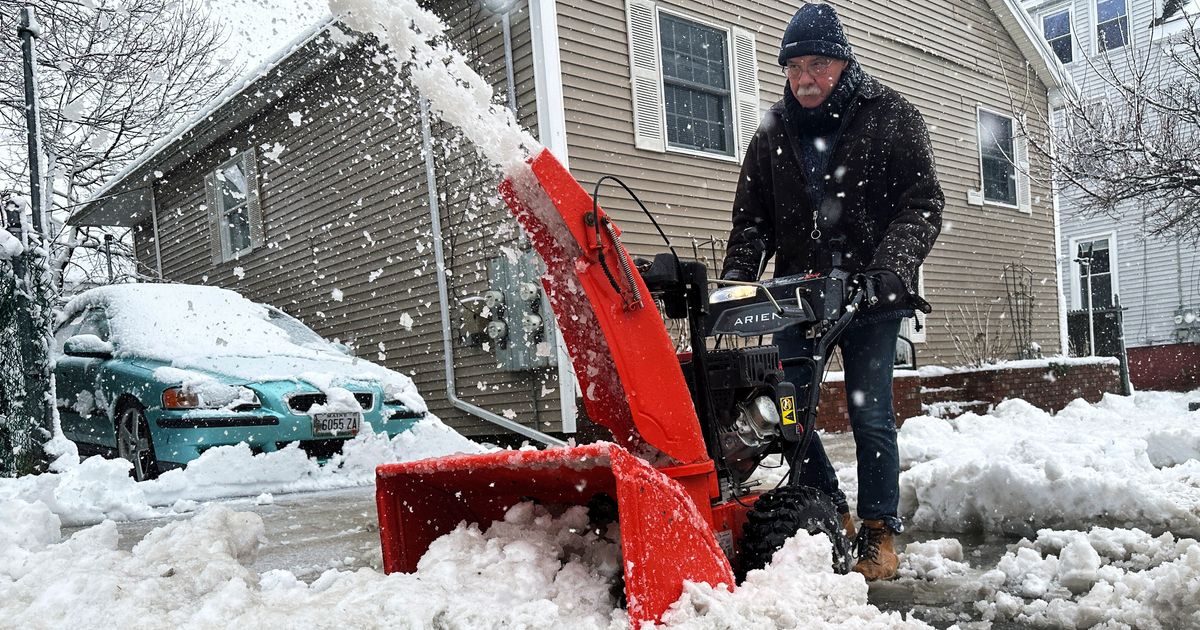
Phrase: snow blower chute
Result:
[679,479]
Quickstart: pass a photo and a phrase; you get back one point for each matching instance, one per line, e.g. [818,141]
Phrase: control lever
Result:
[758,244]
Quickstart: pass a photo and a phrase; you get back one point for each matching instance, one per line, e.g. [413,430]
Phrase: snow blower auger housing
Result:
[678,479]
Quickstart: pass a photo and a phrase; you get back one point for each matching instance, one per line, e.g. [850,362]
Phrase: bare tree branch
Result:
[115,75]
[1136,149]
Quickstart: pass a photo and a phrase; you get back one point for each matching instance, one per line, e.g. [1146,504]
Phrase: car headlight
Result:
[729,294]
[184,398]
[180,398]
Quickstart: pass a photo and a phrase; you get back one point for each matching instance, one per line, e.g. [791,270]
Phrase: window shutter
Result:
[1024,189]
[745,80]
[645,76]
[253,201]
[215,238]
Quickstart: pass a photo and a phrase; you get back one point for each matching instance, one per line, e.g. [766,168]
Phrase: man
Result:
[843,163]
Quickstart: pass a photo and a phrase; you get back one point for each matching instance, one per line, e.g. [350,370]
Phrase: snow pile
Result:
[933,560]
[1103,578]
[457,94]
[798,590]
[530,570]
[1124,462]
[98,489]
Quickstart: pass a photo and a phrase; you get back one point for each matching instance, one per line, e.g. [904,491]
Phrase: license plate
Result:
[335,424]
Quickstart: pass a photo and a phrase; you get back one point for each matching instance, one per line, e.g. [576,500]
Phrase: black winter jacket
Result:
[882,196]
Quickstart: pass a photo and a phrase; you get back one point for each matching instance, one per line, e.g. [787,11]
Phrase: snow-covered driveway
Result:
[1131,465]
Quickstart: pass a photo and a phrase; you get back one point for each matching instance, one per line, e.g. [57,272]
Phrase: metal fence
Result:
[17,449]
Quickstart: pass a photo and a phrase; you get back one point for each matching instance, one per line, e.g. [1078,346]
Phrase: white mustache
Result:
[808,91]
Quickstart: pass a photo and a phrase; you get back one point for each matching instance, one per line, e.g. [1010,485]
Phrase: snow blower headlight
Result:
[730,294]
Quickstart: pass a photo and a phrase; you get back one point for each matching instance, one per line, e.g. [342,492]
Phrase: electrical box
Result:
[520,330]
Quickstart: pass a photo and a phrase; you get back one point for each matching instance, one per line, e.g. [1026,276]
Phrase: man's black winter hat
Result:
[814,30]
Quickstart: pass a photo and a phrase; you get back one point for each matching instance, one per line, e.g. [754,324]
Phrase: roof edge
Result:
[230,93]
[1023,30]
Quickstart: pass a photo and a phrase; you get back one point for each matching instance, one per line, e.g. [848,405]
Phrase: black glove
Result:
[881,288]
[737,275]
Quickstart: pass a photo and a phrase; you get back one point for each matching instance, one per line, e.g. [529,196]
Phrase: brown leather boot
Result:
[848,526]
[876,552]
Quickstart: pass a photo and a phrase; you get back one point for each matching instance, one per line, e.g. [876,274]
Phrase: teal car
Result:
[158,373]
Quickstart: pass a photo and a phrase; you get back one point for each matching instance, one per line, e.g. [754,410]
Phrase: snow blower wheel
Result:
[779,514]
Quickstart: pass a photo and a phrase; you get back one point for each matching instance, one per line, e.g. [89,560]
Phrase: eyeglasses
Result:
[816,67]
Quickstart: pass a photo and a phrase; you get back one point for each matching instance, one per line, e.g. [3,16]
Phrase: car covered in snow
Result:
[159,373]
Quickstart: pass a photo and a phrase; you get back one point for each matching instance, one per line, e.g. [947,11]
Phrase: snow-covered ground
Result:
[1107,495]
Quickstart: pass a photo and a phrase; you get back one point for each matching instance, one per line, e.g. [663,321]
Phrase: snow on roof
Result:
[237,87]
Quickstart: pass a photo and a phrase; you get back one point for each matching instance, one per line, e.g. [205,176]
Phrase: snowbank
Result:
[531,570]
[1124,462]
[98,489]
[1102,578]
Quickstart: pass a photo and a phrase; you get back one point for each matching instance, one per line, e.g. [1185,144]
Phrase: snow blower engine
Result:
[689,430]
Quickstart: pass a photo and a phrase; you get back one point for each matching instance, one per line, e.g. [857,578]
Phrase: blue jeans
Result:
[868,353]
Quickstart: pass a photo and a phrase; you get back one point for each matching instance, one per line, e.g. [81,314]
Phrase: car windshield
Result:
[297,332]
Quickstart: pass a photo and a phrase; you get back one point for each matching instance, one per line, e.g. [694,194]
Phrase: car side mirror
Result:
[344,349]
[89,346]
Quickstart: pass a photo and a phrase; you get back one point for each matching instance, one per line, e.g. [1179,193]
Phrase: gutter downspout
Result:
[154,223]
[444,298]
[552,133]
[506,25]
[1056,96]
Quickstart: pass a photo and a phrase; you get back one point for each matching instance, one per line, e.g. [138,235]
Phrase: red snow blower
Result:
[688,430]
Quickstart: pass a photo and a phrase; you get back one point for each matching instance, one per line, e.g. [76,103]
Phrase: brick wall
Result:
[1174,367]
[1050,388]
[906,399]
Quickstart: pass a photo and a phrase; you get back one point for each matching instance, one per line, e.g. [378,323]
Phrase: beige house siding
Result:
[946,57]
[348,198]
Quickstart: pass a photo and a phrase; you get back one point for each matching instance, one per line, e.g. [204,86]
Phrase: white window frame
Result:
[223,213]
[729,61]
[650,132]
[1076,276]
[1019,161]
[220,246]
[1076,49]
[1095,27]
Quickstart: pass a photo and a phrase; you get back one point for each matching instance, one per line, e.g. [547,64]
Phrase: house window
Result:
[235,213]
[1112,24]
[694,85]
[232,196]
[996,161]
[1056,27]
[696,95]
[1094,258]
